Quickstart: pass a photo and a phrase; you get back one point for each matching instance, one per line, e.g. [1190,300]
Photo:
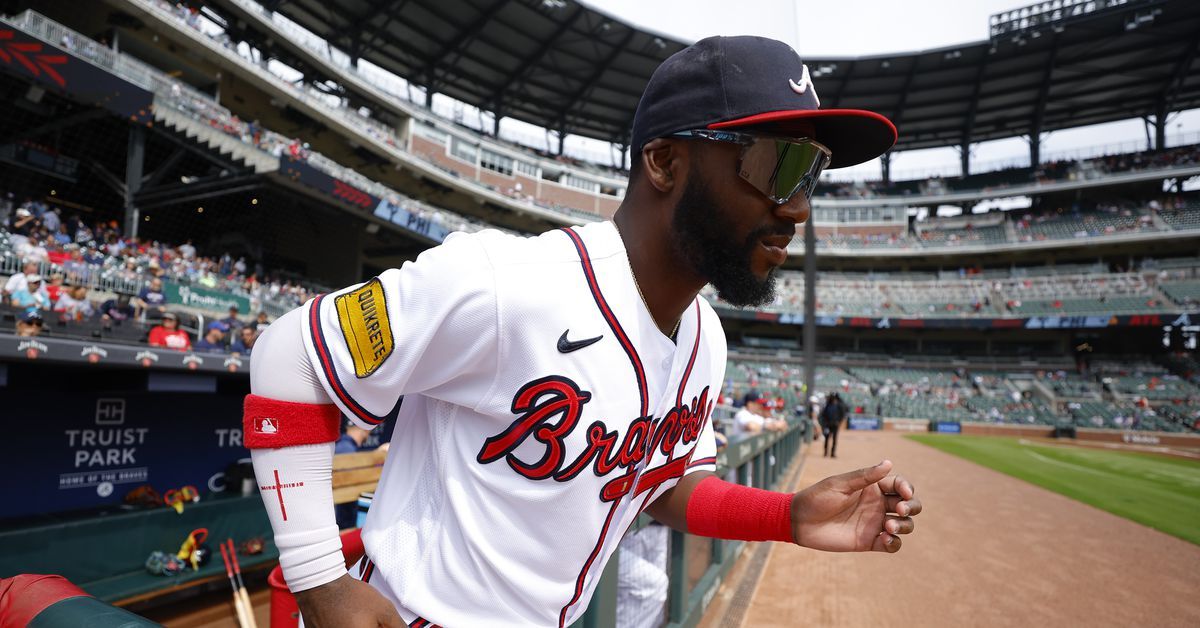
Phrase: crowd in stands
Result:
[998,179]
[207,111]
[1049,171]
[68,269]
[1167,285]
[1078,221]
[1149,396]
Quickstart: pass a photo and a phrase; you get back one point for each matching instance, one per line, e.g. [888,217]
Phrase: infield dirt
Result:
[989,550]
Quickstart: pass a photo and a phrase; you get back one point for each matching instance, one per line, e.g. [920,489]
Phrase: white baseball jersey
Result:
[543,410]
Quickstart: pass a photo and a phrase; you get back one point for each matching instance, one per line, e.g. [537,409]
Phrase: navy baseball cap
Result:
[753,84]
[753,396]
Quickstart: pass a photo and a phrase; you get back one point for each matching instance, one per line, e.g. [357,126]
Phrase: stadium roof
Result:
[562,65]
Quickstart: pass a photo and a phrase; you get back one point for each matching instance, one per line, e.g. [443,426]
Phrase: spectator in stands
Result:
[30,324]
[260,323]
[351,441]
[19,280]
[232,321]
[150,301]
[214,338]
[832,416]
[74,305]
[33,295]
[754,417]
[55,289]
[52,220]
[168,334]
[117,309]
[25,222]
[243,341]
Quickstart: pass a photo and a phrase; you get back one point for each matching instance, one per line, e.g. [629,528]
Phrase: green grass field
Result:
[1161,492]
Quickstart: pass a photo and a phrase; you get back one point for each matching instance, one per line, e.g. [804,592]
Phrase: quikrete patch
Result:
[362,314]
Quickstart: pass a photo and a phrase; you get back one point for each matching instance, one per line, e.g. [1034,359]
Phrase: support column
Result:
[965,155]
[1035,148]
[135,159]
[1160,127]
[886,161]
[810,309]
[562,136]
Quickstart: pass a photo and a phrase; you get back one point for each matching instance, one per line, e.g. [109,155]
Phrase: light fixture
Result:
[199,210]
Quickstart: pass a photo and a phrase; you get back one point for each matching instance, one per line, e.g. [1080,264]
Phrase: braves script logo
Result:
[805,83]
[543,401]
[25,54]
[351,194]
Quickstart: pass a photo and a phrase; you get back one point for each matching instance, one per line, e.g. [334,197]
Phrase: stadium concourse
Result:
[177,175]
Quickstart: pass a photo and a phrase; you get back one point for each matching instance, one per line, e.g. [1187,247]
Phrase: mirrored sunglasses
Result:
[776,166]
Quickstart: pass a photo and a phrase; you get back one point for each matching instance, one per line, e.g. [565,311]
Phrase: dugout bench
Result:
[105,555]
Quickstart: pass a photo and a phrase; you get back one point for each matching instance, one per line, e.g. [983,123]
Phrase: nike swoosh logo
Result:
[567,346]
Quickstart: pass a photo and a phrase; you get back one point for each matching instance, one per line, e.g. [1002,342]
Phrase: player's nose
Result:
[796,210]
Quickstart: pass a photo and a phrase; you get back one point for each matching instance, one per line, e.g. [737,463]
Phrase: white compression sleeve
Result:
[296,482]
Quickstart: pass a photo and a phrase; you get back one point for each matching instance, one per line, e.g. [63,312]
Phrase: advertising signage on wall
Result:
[52,68]
[94,448]
[1175,319]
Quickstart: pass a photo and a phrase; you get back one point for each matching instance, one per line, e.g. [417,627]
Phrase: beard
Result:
[701,235]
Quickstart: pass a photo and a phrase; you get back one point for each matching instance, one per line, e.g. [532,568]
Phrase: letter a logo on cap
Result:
[805,82]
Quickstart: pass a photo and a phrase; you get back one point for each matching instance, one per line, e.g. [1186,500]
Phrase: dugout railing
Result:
[696,566]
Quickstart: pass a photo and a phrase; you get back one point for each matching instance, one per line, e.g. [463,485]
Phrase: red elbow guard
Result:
[724,510]
[270,423]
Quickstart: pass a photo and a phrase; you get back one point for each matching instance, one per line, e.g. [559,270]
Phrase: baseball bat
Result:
[237,601]
[237,572]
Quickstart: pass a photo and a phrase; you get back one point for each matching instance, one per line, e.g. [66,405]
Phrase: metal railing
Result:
[698,565]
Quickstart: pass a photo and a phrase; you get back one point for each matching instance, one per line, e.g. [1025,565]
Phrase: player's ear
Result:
[662,164]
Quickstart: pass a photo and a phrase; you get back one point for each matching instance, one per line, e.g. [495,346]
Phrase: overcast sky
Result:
[870,27]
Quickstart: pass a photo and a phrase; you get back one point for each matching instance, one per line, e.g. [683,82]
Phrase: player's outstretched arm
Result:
[290,426]
[859,511]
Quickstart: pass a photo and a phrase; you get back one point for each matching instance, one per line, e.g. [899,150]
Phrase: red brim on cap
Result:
[853,136]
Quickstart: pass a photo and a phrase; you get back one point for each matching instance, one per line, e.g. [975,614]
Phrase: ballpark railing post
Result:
[678,597]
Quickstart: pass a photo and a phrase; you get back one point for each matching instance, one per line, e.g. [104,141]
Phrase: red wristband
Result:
[724,510]
[270,423]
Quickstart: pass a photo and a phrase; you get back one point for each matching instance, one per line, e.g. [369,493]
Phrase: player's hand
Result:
[859,511]
[347,602]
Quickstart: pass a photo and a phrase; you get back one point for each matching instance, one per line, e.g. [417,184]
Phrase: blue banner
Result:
[947,427]
[92,448]
[865,423]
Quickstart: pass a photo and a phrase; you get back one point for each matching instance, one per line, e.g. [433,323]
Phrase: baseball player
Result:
[555,387]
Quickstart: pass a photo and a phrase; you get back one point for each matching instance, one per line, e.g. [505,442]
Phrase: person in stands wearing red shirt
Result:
[168,334]
[55,289]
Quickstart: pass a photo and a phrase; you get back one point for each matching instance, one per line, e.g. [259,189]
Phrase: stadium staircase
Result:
[215,139]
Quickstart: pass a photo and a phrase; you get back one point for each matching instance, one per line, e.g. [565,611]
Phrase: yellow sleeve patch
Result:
[363,317]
